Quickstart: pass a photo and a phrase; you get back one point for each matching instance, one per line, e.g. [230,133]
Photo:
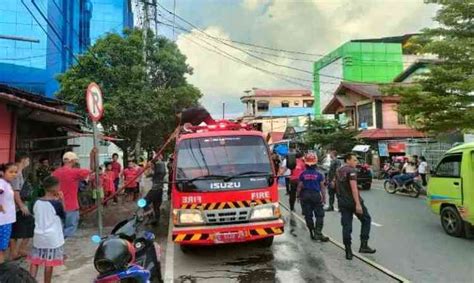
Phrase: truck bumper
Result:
[223,234]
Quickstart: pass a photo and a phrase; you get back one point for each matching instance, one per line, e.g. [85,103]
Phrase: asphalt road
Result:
[294,257]
[409,238]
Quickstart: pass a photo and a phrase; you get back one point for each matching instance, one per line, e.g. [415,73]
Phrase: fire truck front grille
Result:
[227,215]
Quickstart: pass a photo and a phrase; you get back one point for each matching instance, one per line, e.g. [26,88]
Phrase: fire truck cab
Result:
[224,187]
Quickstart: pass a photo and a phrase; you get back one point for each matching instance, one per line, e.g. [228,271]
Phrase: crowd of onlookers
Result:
[43,209]
[40,205]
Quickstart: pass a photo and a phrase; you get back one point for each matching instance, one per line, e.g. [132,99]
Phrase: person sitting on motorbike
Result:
[409,172]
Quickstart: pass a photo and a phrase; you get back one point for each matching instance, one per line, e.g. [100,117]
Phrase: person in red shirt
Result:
[117,169]
[107,180]
[132,189]
[295,177]
[69,178]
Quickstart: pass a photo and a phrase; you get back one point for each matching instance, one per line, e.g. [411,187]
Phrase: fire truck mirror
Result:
[291,160]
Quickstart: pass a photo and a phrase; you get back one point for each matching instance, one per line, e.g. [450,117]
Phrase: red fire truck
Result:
[224,188]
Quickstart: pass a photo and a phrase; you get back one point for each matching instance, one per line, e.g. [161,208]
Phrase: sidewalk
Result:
[79,267]
[80,250]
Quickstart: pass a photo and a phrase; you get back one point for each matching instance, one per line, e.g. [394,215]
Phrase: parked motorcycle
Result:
[411,187]
[129,253]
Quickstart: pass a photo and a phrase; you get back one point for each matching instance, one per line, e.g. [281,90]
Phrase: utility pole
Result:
[223,110]
[271,121]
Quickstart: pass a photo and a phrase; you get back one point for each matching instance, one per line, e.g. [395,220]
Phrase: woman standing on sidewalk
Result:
[7,206]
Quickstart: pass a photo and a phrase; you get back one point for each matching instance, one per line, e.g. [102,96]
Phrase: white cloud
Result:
[311,26]
[254,4]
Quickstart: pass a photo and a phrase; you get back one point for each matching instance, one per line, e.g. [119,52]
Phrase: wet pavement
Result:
[408,237]
[294,257]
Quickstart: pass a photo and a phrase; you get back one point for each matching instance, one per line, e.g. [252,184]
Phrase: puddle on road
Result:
[243,269]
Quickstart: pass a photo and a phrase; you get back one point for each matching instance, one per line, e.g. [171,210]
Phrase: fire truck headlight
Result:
[190,217]
[265,211]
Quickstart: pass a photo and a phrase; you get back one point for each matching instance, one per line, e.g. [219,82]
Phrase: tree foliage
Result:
[443,99]
[141,92]
[330,134]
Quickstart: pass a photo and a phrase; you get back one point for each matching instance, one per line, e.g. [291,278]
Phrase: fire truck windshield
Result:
[223,163]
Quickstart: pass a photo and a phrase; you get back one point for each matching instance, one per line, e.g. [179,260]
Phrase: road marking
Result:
[376,224]
[169,262]
[373,223]
[357,255]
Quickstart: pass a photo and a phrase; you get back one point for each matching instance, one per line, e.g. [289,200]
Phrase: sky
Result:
[309,26]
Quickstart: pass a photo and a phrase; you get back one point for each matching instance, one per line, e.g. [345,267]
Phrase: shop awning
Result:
[383,134]
[40,112]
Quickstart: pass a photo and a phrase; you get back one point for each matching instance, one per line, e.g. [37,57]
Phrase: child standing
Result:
[107,180]
[132,188]
[7,206]
[48,239]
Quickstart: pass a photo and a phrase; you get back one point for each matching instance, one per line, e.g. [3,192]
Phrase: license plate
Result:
[229,237]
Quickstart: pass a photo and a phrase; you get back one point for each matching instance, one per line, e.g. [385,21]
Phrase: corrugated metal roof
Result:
[282,92]
[288,112]
[367,89]
[381,134]
[278,93]
[9,98]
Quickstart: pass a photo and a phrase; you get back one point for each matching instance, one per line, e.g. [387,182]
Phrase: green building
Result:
[377,60]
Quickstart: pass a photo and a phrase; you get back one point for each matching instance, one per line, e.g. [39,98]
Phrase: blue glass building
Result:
[42,38]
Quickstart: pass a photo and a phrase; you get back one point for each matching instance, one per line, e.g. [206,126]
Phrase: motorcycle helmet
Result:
[113,255]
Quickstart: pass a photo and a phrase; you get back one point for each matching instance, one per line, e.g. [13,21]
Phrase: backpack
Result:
[26,191]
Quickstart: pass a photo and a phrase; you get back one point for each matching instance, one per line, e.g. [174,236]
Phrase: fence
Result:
[432,151]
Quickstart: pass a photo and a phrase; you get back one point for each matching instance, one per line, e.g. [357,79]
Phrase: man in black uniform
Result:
[155,195]
[311,192]
[335,164]
[351,203]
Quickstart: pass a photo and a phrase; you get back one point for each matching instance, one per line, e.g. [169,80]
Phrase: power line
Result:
[238,60]
[270,48]
[246,52]
[247,63]
[290,79]
[234,47]
[222,40]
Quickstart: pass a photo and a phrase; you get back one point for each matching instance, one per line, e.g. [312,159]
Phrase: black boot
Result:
[349,254]
[312,233]
[365,249]
[318,234]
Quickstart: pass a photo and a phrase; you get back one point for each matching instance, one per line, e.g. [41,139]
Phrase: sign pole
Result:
[98,188]
[95,108]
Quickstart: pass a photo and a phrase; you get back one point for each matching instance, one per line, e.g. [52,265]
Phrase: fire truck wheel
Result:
[267,242]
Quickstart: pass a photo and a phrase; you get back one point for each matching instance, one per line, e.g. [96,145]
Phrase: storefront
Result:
[34,125]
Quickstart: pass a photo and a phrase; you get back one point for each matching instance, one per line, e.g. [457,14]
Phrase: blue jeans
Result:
[403,178]
[71,222]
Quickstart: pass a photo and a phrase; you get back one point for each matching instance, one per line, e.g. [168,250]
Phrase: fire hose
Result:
[173,135]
